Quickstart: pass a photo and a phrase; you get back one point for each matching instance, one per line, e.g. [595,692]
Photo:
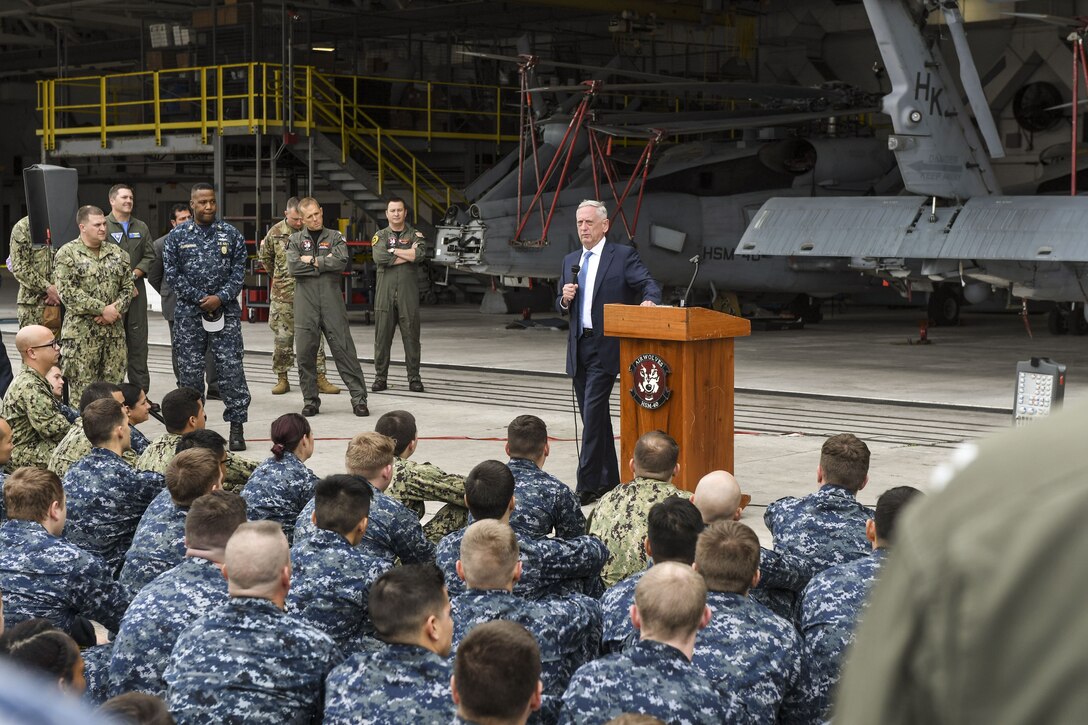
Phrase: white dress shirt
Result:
[585,296]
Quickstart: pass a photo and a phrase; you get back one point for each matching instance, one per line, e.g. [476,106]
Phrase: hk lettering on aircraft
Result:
[726,254]
[928,92]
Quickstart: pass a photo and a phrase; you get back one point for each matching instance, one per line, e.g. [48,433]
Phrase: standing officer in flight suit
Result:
[397,251]
[315,258]
[133,236]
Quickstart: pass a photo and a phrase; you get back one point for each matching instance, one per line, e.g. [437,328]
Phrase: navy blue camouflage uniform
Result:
[544,503]
[157,546]
[397,684]
[278,491]
[392,533]
[249,662]
[567,629]
[209,261]
[549,567]
[618,632]
[750,654]
[825,528]
[781,568]
[106,498]
[830,607]
[652,678]
[96,673]
[156,618]
[42,575]
[70,414]
[330,586]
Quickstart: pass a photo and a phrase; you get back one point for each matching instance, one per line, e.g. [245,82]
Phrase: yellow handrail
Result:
[251,97]
[389,154]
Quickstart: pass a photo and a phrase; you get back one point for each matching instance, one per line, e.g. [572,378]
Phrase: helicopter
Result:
[682,200]
[955,234]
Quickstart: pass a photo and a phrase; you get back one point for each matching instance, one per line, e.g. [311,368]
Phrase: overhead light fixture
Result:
[324,48]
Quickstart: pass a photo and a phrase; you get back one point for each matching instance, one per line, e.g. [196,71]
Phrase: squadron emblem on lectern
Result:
[650,387]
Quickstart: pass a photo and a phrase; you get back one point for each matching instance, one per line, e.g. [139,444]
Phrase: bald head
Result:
[257,561]
[38,348]
[30,336]
[718,497]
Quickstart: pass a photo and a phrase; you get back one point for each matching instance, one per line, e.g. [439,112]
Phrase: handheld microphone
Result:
[574,270]
[694,260]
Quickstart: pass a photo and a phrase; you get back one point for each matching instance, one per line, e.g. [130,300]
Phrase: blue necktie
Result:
[582,272]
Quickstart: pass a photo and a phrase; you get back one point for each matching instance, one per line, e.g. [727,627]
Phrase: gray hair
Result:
[602,210]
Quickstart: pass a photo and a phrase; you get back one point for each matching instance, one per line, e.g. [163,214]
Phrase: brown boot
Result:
[282,386]
[325,387]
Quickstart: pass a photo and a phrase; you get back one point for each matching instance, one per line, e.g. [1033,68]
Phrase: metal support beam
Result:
[272,186]
[257,185]
[310,166]
[219,171]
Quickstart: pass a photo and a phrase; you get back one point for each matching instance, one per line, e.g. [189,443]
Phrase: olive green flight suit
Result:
[319,308]
[396,298]
[138,243]
[281,299]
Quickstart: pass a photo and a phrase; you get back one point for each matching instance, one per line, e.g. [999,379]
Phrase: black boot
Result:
[237,437]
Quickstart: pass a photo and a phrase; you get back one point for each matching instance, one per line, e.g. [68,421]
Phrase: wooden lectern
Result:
[676,375]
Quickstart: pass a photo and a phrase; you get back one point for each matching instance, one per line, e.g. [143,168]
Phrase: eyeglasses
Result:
[51,343]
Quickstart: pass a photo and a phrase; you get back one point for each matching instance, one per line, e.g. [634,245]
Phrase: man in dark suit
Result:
[606,274]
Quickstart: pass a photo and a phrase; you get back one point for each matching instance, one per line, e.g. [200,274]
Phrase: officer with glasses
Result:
[37,426]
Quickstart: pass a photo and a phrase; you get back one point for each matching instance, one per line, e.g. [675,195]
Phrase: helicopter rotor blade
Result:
[577,66]
[689,128]
[726,88]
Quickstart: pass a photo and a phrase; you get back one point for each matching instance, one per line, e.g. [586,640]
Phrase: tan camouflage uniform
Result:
[36,424]
[281,303]
[415,483]
[75,445]
[32,266]
[620,520]
[158,455]
[88,280]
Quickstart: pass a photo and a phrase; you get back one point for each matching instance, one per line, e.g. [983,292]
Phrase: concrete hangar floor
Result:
[854,372]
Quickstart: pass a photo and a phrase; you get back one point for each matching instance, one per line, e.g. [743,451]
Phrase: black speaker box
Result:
[52,202]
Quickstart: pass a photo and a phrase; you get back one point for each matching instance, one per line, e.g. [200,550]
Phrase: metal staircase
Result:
[350,178]
[365,165]
[191,111]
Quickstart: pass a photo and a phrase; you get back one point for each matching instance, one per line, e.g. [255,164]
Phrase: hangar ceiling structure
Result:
[39,38]
[791,42]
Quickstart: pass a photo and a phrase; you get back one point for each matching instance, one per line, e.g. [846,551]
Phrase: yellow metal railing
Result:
[245,98]
[327,109]
[247,94]
[125,104]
